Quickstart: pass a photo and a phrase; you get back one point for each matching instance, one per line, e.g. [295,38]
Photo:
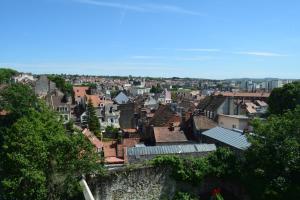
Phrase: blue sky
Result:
[191,38]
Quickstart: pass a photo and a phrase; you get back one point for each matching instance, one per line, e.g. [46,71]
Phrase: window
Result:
[112,120]
[233,126]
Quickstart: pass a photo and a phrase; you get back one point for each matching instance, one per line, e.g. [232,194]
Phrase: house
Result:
[60,103]
[106,111]
[262,106]
[232,138]
[211,106]
[169,136]
[79,94]
[164,116]
[201,124]
[164,97]
[111,115]
[44,86]
[98,145]
[141,154]
[121,98]
[240,122]
[128,119]
[110,153]
[23,78]
[151,103]
[115,153]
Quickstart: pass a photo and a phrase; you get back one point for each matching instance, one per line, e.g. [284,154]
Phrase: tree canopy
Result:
[285,98]
[92,119]
[6,74]
[39,160]
[272,165]
[61,84]
[156,89]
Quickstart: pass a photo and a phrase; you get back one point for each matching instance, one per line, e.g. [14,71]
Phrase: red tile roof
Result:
[164,134]
[93,139]
[113,160]
[80,91]
[109,149]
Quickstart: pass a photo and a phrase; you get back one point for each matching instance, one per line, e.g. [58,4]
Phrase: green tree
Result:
[17,99]
[92,119]
[156,89]
[184,196]
[272,166]
[61,84]
[285,98]
[6,75]
[38,159]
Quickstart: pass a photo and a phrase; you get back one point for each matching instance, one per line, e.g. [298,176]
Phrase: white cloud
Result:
[142,7]
[112,5]
[258,53]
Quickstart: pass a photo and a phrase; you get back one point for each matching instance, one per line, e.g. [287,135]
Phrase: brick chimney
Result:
[171,126]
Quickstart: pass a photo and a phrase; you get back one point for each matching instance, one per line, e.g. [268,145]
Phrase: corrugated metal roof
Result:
[231,137]
[170,149]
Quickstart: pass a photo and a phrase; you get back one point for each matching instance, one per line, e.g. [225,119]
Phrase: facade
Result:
[23,77]
[79,94]
[138,90]
[61,104]
[201,124]
[44,86]
[240,122]
[110,116]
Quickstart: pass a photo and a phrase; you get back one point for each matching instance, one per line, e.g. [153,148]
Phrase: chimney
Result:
[171,126]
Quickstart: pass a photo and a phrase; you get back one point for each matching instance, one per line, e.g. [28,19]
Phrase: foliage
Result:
[285,98]
[114,93]
[223,163]
[38,159]
[17,99]
[156,89]
[112,131]
[6,75]
[61,84]
[90,85]
[191,170]
[183,196]
[272,165]
[92,119]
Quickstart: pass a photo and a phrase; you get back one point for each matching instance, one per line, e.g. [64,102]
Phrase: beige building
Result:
[240,122]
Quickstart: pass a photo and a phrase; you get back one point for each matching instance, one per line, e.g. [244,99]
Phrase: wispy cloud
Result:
[142,7]
[112,5]
[198,49]
[259,53]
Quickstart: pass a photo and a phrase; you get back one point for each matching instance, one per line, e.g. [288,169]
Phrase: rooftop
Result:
[232,138]
[243,94]
[170,149]
[164,134]
[93,139]
[80,91]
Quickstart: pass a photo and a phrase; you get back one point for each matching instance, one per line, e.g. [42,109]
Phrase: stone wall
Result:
[149,183]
